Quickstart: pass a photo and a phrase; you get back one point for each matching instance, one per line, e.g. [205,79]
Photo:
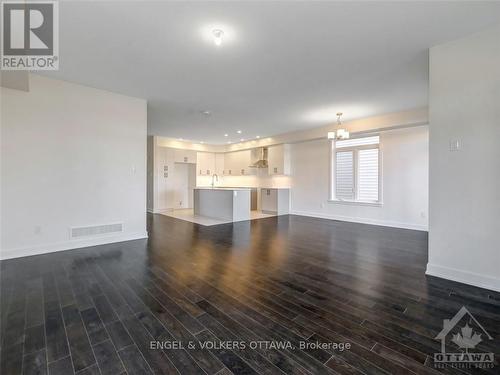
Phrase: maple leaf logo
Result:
[467,340]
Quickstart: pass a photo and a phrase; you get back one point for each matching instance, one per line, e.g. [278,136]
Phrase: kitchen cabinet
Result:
[278,159]
[275,201]
[219,164]
[237,163]
[205,164]
[185,156]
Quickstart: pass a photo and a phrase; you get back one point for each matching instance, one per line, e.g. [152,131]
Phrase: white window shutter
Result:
[368,175]
[344,175]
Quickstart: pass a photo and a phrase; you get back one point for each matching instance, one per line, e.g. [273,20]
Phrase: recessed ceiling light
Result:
[206,113]
[226,135]
[239,132]
[257,136]
[218,35]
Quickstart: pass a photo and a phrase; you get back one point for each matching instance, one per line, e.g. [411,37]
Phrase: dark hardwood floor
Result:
[287,279]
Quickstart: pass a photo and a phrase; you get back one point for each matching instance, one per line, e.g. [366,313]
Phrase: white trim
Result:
[356,203]
[361,220]
[69,245]
[466,277]
[354,149]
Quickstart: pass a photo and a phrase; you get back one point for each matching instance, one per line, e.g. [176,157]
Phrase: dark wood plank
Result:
[57,343]
[156,359]
[134,361]
[35,363]
[107,358]
[62,366]
[94,326]
[233,362]
[119,336]
[34,339]
[92,370]
[12,359]
[82,355]
[34,300]
[103,307]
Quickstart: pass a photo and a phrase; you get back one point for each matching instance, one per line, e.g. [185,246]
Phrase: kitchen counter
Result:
[221,188]
[275,200]
[232,204]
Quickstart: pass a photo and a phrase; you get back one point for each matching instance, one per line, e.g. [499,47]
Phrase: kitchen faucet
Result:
[216,179]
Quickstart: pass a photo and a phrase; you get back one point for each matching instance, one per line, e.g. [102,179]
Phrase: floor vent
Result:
[95,230]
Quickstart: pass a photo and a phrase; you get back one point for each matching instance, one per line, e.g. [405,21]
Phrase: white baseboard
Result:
[471,278]
[69,245]
[361,220]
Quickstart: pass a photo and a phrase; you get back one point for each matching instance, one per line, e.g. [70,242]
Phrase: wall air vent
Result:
[95,230]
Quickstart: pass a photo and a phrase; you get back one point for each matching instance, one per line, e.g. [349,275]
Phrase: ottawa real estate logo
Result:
[29,35]
[460,338]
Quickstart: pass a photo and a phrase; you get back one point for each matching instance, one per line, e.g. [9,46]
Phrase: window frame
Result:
[333,165]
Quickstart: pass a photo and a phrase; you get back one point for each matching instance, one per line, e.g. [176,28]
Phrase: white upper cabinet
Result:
[238,163]
[205,164]
[185,156]
[219,164]
[230,164]
[279,159]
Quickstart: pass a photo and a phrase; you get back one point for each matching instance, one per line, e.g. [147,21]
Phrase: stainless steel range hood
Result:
[259,158]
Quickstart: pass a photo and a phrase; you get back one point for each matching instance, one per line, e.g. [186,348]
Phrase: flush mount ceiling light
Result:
[340,133]
[257,136]
[226,135]
[218,35]
[239,132]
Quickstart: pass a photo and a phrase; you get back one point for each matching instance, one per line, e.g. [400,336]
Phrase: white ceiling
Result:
[284,66]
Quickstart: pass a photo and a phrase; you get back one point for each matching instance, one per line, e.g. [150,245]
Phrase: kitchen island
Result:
[231,204]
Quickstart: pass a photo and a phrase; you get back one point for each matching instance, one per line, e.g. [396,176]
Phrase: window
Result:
[356,170]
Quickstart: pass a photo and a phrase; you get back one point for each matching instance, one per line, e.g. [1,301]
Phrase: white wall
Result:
[404,181]
[465,184]
[70,156]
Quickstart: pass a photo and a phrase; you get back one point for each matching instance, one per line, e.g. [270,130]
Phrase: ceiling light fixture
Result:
[226,135]
[257,136]
[239,132]
[218,35]
[341,133]
[206,113]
